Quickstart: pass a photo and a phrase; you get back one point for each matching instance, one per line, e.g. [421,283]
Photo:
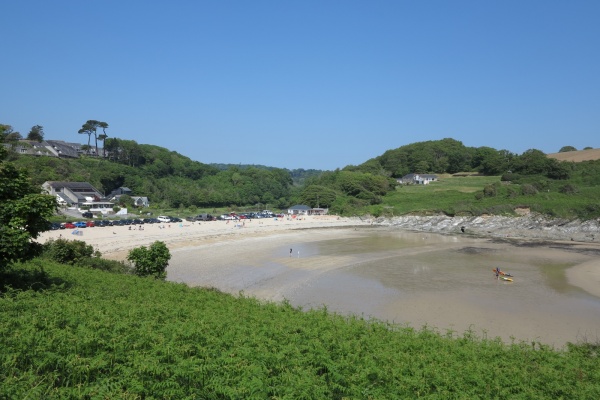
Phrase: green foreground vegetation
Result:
[72,332]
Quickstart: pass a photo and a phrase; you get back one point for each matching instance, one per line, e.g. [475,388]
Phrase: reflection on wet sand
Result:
[409,278]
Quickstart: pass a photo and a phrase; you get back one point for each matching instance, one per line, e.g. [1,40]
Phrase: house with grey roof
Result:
[33,148]
[64,149]
[417,179]
[140,201]
[72,193]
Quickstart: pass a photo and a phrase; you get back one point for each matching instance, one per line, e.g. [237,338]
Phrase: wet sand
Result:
[352,269]
[424,282]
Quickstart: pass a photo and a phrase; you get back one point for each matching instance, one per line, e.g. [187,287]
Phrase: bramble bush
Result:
[77,252]
[150,261]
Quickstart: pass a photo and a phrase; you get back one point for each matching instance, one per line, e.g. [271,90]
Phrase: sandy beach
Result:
[114,242]
[254,258]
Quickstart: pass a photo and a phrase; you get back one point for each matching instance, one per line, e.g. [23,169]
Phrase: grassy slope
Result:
[457,196]
[91,334]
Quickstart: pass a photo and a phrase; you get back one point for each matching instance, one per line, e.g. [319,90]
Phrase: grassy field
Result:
[465,196]
[69,332]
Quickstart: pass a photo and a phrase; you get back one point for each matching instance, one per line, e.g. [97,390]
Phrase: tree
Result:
[102,137]
[7,134]
[318,196]
[90,128]
[36,133]
[24,213]
[422,167]
[152,261]
[567,148]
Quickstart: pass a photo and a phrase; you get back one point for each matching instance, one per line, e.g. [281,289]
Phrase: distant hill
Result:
[577,156]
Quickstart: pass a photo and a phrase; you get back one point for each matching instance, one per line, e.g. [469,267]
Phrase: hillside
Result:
[577,156]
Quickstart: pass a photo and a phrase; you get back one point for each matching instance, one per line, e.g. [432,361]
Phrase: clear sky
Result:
[305,84]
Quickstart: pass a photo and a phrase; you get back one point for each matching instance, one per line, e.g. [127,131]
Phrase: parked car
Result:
[163,218]
[69,225]
[87,214]
[90,224]
[175,219]
[80,224]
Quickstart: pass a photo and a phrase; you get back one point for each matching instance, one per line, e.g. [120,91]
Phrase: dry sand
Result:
[114,242]
[253,257]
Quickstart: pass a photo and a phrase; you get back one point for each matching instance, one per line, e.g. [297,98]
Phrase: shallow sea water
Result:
[443,282]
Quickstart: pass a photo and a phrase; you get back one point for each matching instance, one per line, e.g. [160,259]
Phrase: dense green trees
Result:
[451,156]
[24,212]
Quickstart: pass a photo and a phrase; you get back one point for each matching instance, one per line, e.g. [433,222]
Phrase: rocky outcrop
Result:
[531,226]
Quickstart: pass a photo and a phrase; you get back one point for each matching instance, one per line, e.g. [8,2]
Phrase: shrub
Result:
[490,190]
[105,265]
[68,251]
[152,261]
[528,190]
[511,192]
[568,189]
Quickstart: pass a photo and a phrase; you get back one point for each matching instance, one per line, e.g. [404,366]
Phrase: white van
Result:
[162,218]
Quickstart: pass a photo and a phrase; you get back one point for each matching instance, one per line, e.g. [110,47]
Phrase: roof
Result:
[78,186]
[64,149]
[412,176]
[300,207]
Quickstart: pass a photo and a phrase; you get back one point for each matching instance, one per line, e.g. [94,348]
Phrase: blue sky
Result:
[305,84]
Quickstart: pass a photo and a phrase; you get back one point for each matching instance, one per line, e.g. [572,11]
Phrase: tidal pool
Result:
[413,279]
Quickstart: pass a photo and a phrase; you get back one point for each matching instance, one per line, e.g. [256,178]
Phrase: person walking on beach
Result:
[290,252]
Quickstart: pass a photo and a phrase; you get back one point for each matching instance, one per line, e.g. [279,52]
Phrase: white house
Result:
[417,179]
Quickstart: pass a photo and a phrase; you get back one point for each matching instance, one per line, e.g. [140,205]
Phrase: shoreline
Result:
[115,242]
